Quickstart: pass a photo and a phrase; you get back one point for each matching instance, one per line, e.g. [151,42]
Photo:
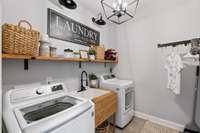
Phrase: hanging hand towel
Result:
[190,60]
[174,66]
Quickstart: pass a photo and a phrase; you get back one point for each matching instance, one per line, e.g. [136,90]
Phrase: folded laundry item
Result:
[195,47]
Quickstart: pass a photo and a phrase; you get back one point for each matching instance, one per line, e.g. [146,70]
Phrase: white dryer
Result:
[47,108]
[125,91]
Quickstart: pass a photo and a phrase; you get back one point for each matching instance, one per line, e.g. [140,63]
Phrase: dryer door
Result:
[128,98]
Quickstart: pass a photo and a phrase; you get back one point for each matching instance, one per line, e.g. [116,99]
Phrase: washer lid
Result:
[47,115]
[47,109]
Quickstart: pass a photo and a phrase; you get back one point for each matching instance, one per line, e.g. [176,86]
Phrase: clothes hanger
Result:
[189,59]
[173,51]
[189,55]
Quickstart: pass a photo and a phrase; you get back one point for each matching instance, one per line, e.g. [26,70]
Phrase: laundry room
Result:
[100,66]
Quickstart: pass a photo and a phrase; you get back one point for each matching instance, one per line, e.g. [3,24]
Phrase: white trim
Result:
[160,121]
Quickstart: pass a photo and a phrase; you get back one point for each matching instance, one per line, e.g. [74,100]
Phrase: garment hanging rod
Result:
[174,44]
[191,127]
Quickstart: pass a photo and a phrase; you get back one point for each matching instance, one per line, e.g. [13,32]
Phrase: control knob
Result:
[39,91]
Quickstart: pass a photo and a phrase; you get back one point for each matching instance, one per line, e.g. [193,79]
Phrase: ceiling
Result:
[145,6]
[92,5]
[96,7]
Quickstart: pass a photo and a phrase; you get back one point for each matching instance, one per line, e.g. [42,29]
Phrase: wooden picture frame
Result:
[83,54]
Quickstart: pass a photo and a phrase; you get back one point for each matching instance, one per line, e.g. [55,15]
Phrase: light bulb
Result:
[118,8]
[115,6]
[120,2]
[124,6]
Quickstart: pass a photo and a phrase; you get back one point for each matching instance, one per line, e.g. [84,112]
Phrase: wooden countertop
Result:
[105,106]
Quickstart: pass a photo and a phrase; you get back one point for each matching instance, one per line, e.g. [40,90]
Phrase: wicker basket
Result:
[103,128]
[19,40]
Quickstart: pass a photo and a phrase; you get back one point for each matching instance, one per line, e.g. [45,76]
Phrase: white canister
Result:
[44,38]
[45,49]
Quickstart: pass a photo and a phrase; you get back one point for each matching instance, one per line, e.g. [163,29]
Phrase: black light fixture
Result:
[119,11]
[68,4]
[99,20]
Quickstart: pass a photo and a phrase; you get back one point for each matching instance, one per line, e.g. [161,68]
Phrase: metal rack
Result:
[192,127]
[174,44]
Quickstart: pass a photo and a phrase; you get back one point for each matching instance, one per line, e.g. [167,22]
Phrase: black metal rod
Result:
[197,71]
[174,44]
[26,64]
[189,131]
[79,64]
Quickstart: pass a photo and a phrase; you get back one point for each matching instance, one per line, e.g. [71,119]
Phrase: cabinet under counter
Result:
[105,102]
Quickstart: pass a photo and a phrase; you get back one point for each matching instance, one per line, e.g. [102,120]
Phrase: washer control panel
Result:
[48,89]
[35,92]
[57,88]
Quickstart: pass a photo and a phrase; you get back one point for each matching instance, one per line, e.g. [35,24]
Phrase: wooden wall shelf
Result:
[40,58]
[9,56]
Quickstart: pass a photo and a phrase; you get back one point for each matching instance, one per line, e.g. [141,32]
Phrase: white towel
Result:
[190,60]
[174,66]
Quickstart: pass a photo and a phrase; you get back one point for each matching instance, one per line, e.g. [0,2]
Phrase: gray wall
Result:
[69,73]
[158,21]
[35,11]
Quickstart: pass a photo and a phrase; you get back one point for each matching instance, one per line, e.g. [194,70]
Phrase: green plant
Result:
[68,50]
[92,52]
[92,76]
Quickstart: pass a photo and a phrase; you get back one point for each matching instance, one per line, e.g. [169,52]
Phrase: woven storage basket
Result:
[19,40]
[103,128]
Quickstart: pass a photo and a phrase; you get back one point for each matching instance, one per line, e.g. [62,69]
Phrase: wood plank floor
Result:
[142,126]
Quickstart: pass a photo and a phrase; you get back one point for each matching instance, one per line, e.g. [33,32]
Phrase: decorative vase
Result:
[92,57]
[93,83]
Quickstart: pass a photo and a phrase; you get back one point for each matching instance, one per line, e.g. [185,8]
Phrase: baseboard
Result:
[160,121]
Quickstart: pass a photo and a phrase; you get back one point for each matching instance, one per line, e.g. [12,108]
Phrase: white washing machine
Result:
[125,91]
[47,109]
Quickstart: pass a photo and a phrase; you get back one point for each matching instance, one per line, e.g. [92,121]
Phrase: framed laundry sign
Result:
[66,29]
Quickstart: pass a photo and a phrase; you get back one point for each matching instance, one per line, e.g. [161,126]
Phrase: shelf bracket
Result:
[79,64]
[26,63]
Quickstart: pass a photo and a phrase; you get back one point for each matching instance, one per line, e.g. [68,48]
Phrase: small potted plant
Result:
[68,53]
[93,80]
[92,54]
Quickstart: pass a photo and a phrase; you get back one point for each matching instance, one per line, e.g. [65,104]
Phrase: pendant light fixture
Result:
[99,20]
[119,11]
[70,4]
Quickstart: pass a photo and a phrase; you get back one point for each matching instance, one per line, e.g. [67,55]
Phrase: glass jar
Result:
[44,49]
[53,51]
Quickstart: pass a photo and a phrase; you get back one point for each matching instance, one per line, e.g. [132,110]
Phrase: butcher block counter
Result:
[105,103]
[105,106]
